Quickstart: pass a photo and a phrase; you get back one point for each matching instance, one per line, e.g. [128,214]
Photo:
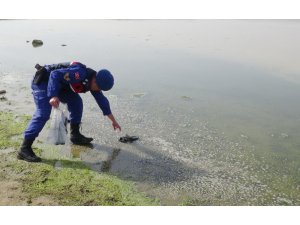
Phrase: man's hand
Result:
[54,101]
[114,122]
[116,126]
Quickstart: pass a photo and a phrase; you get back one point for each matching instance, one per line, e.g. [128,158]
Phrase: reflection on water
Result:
[106,166]
[215,103]
[106,163]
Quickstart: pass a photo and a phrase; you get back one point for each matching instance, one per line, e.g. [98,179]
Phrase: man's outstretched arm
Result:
[103,103]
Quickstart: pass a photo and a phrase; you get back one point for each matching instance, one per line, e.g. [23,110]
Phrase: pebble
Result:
[37,43]
[3,98]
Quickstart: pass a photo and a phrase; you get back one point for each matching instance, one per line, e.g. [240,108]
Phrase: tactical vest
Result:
[83,86]
[80,87]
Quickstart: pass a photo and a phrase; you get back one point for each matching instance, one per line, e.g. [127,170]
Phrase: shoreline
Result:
[72,183]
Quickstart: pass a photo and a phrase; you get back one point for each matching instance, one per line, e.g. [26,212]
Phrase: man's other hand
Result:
[54,101]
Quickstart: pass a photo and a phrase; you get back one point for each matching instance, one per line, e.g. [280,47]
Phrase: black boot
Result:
[76,137]
[26,152]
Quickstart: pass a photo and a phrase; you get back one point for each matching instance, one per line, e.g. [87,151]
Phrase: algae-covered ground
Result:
[72,183]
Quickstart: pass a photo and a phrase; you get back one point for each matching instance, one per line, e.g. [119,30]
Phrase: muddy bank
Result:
[72,183]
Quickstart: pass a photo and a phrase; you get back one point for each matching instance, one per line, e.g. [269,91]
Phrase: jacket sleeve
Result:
[54,83]
[102,102]
[59,77]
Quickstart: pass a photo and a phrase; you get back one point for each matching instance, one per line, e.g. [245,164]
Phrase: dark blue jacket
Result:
[77,77]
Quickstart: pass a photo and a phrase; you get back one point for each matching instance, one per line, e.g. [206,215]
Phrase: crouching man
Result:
[62,82]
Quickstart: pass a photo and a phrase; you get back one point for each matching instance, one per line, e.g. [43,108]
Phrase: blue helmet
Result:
[104,80]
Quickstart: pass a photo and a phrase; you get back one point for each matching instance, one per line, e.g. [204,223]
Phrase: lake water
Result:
[215,102]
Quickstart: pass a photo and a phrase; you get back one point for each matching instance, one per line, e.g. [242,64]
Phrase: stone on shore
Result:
[37,43]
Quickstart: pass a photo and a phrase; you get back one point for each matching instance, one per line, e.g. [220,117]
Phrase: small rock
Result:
[63,45]
[138,95]
[37,43]
[2,92]
[3,98]
[186,97]
[27,41]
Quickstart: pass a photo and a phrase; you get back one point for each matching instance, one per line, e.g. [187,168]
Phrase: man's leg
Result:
[38,121]
[75,107]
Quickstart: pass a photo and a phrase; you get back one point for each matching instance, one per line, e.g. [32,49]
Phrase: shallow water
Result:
[214,102]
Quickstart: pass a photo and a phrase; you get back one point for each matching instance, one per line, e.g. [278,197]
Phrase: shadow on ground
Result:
[136,163]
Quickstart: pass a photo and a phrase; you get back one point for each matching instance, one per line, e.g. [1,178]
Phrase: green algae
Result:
[11,126]
[75,184]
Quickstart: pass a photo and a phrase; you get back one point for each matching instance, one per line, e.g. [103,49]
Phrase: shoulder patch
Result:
[77,76]
[67,77]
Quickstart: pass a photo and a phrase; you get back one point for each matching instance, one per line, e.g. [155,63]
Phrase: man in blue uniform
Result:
[62,82]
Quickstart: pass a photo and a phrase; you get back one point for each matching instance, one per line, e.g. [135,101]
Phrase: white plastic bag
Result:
[58,128]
